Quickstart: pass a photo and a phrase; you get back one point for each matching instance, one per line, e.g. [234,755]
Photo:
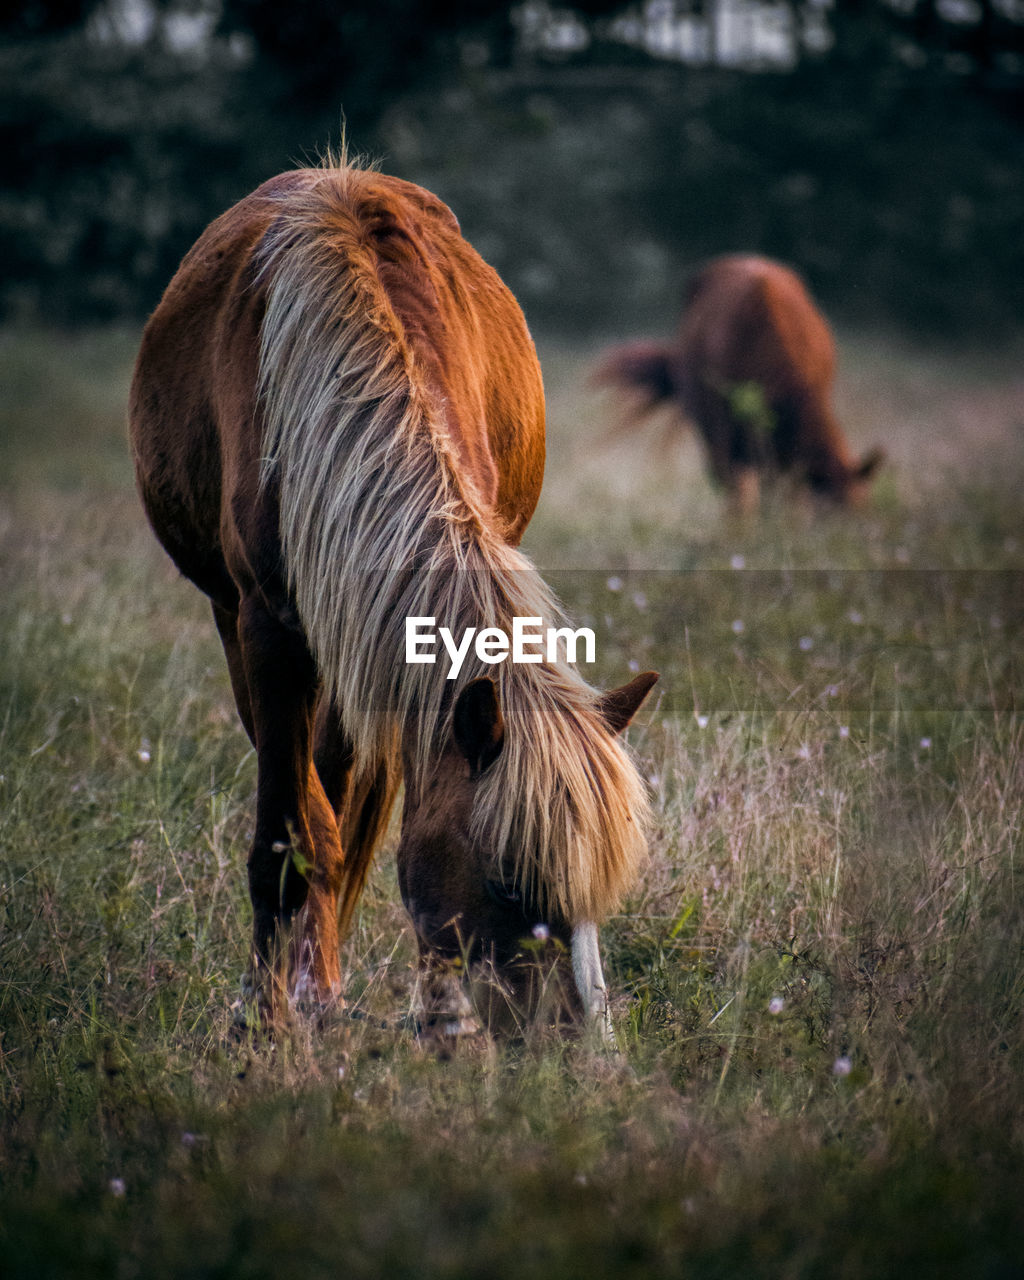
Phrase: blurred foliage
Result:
[589,167]
[44,17]
[901,208]
[374,50]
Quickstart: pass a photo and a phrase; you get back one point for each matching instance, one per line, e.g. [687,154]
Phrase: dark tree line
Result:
[125,127]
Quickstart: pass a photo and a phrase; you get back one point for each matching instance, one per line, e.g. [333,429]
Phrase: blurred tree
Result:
[314,53]
[127,124]
[44,17]
[985,37]
[318,51]
[116,152]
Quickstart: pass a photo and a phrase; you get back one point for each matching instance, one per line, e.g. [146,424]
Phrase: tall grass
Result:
[817,983]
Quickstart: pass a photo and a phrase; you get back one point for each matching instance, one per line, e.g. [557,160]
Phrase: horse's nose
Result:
[502,894]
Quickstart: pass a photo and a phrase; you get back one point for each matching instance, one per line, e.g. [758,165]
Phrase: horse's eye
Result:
[504,895]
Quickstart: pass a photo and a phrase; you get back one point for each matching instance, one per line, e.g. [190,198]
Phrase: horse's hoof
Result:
[247,1011]
[322,1014]
[314,1001]
[445,1034]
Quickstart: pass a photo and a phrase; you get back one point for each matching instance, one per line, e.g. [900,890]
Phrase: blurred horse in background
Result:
[752,365]
[337,422]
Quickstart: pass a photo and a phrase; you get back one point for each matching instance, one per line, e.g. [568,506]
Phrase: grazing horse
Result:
[337,421]
[752,364]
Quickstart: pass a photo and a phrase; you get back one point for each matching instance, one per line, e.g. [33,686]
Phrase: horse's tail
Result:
[643,370]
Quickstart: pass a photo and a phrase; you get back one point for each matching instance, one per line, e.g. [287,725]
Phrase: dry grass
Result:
[818,980]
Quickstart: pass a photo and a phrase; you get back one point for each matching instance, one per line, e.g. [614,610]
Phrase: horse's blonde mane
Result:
[377,525]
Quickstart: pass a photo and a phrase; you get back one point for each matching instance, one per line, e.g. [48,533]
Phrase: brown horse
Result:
[337,421]
[752,365]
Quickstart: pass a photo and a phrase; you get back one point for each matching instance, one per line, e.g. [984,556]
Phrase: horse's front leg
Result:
[295,864]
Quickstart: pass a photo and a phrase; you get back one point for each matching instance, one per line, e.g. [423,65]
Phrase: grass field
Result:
[817,985]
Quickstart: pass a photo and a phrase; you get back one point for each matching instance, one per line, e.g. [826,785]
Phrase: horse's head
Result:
[472,904]
[847,485]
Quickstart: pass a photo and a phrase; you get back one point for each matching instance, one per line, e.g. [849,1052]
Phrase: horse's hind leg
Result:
[295,863]
[227,629]
[361,799]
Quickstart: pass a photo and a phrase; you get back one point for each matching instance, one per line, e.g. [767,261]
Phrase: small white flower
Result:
[855,617]
[806,644]
[803,752]
[66,619]
[737,626]
[776,1004]
[640,600]
[541,932]
[926,744]
[702,722]
[116,1187]
[614,583]
[844,731]
[842,1066]
[633,665]
[832,691]
[737,562]
[144,755]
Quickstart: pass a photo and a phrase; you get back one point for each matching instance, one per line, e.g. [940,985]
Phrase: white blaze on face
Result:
[586,968]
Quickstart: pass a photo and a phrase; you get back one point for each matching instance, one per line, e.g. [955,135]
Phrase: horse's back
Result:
[195,418]
[194,384]
[749,319]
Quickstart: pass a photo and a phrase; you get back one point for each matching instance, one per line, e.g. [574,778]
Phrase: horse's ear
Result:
[869,464]
[619,706]
[477,724]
